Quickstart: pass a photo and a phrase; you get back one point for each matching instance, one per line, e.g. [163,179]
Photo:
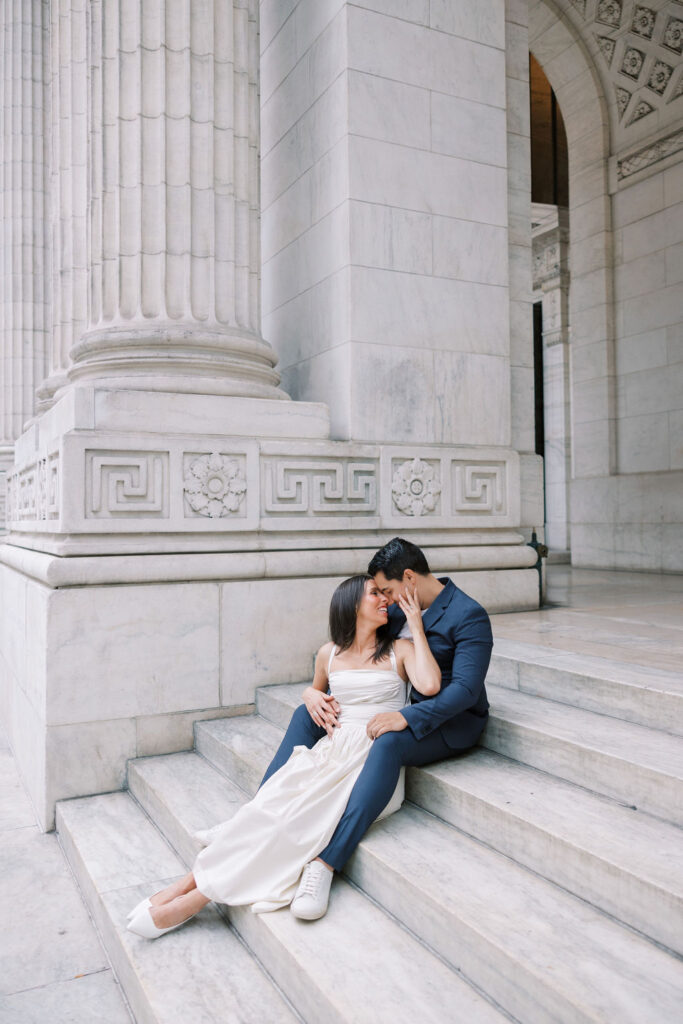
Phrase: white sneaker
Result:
[313,893]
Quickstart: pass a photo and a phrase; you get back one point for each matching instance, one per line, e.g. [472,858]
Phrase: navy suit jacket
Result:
[458,632]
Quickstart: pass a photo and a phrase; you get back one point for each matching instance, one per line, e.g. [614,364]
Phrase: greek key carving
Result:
[415,487]
[47,503]
[214,484]
[319,486]
[479,488]
[126,484]
[24,493]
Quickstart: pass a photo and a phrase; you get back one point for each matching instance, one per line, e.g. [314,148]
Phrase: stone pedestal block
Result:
[93,675]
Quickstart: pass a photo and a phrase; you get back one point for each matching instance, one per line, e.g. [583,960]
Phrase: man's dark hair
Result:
[344,612]
[397,556]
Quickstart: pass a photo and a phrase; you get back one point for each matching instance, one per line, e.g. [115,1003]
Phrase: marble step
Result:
[635,765]
[619,859]
[351,965]
[201,973]
[625,862]
[640,767]
[242,752]
[635,693]
[542,954]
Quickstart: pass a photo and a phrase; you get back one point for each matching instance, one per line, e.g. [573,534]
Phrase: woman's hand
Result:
[410,607]
[323,708]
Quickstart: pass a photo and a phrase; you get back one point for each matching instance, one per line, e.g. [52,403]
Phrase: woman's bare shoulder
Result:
[325,651]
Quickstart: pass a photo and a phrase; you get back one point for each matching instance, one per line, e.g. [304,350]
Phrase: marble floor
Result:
[627,617]
[54,968]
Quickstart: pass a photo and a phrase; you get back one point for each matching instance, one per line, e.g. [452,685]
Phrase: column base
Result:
[180,358]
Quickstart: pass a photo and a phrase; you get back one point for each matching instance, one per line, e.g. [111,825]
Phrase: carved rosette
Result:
[214,485]
[415,488]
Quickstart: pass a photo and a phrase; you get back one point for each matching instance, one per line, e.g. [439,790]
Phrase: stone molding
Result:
[103,483]
[643,158]
[504,549]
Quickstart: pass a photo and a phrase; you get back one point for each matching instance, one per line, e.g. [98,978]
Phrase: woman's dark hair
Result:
[397,556]
[344,612]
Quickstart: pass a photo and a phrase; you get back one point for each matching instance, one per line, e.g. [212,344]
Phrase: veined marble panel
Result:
[318,130]
[391,239]
[313,74]
[314,195]
[120,652]
[480,20]
[426,57]
[466,251]
[381,172]
[392,111]
[397,309]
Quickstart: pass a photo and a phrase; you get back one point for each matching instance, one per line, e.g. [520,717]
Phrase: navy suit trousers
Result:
[376,782]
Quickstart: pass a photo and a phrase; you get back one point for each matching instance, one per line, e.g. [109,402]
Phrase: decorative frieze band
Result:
[648,155]
[33,491]
[189,486]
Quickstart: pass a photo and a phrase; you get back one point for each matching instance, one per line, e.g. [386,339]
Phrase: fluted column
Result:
[68,186]
[173,229]
[23,297]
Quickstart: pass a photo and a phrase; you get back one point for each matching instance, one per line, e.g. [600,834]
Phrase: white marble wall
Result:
[635,520]
[626,319]
[648,289]
[385,215]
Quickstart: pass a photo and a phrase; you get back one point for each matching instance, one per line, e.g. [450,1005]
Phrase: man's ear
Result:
[408,577]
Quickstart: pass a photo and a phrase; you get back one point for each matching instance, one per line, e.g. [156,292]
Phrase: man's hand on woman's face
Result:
[410,606]
[323,708]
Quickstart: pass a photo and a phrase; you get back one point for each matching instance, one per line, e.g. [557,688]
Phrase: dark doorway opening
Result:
[539,417]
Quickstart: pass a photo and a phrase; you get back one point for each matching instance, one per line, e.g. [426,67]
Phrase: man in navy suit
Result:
[458,632]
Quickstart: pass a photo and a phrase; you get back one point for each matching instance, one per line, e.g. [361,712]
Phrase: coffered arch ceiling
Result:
[637,52]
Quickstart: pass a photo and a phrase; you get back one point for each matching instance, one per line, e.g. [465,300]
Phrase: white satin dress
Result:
[258,855]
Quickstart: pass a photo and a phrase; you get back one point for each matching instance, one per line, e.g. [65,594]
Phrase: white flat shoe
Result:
[310,902]
[142,905]
[143,925]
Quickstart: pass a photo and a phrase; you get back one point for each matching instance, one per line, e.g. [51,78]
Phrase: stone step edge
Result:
[588,666]
[603,864]
[651,703]
[250,926]
[366,854]
[120,946]
[285,699]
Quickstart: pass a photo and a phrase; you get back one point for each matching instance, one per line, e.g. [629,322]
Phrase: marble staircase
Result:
[537,878]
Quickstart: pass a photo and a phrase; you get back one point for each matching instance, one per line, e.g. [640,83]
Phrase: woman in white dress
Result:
[258,855]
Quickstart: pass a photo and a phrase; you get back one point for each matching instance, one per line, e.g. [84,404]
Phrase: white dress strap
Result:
[392,655]
[332,654]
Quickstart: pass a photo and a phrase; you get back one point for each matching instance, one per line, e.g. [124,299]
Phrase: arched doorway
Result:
[558,48]
[550,279]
